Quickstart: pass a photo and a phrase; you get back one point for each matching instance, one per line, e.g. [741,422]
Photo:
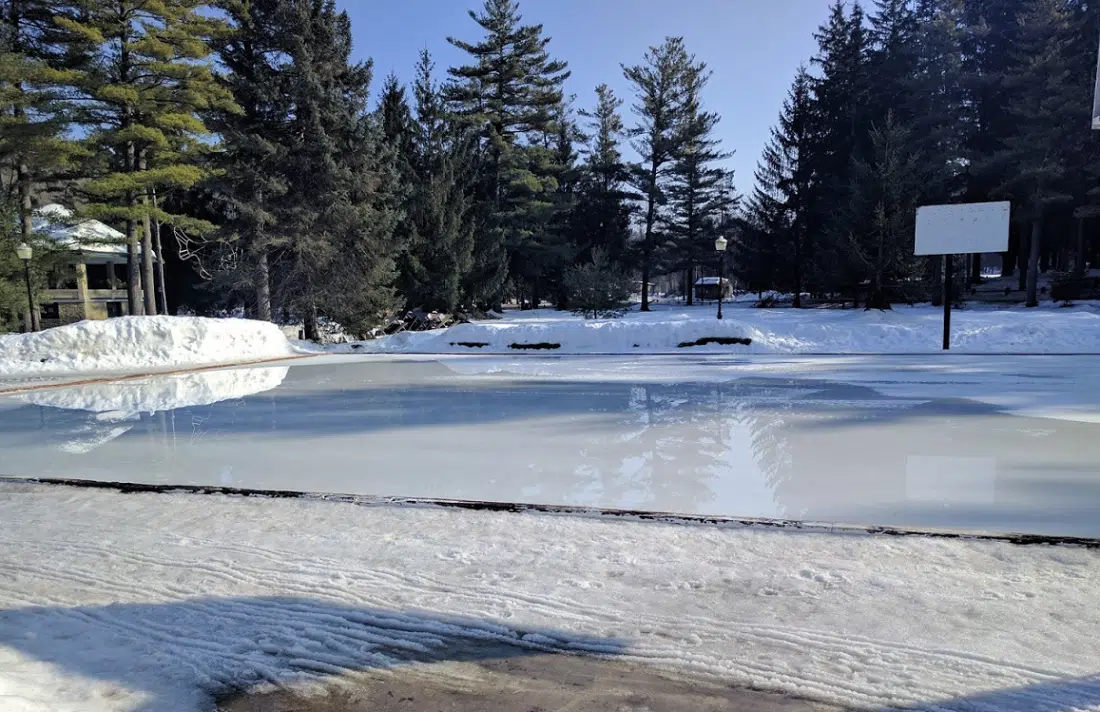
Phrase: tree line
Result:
[928,102]
[238,141]
[241,135]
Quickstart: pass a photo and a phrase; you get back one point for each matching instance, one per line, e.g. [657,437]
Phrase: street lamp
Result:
[720,246]
[25,253]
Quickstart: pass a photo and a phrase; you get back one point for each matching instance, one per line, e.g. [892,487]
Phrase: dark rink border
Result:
[598,512]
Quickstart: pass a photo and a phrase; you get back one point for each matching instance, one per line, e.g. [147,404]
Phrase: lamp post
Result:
[720,247]
[25,253]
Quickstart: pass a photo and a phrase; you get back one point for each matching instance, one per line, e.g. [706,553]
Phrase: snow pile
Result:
[115,603]
[139,344]
[123,399]
[572,335]
[819,331]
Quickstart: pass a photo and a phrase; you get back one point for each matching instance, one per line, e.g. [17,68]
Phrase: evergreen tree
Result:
[251,183]
[510,92]
[885,190]
[1048,119]
[340,203]
[699,192]
[438,257]
[147,80]
[989,43]
[601,217]
[658,87]
[841,136]
[775,252]
[39,63]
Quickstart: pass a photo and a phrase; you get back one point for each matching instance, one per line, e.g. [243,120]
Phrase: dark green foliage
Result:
[598,289]
[658,84]
[340,215]
[149,77]
[251,184]
[439,217]
[774,247]
[699,191]
[511,94]
[601,216]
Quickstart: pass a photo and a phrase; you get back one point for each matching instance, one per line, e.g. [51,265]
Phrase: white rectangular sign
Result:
[963,228]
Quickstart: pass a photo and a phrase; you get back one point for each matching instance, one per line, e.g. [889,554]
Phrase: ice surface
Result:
[982,443]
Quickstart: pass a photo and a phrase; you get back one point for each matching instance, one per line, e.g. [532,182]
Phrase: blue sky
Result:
[753,46]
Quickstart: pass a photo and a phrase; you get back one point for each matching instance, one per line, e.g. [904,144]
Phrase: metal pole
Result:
[32,321]
[721,265]
[948,297]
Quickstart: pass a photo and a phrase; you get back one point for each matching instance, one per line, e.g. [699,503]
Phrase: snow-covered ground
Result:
[152,603]
[824,331]
[139,344]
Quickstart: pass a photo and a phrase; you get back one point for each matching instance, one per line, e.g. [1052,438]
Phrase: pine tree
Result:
[341,212]
[699,192]
[658,87]
[841,137]
[892,59]
[885,190]
[148,79]
[439,212]
[601,217]
[778,249]
[39,63]
[251,182]
[510,93]
[1048,118]
[989,53]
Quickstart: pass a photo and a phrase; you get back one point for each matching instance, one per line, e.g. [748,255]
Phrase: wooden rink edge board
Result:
[566,510]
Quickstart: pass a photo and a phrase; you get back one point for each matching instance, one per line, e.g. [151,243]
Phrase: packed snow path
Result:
[153,603]
[1008,444]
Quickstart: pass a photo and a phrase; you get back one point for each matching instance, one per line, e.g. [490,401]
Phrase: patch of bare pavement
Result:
[528,683]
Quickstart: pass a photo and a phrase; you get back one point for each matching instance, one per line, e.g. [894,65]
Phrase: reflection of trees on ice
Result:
[673,444]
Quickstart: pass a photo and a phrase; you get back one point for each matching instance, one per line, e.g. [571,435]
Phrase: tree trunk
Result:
[975,269]
[689,282]
[26,210]
[263,287]
[133,277]
[162,288]
[1033,261]
[935,268]
[1008,259]
[647,245]
[1021,258]
[147,278]
[312,333]
[1080,256]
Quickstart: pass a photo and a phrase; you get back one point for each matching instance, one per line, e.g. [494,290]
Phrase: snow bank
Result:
[139,344]
[120,603]
[819,331]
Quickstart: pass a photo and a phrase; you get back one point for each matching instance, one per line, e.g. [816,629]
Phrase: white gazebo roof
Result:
[91,236]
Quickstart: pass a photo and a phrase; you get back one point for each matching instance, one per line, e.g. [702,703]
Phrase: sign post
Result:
[965,228]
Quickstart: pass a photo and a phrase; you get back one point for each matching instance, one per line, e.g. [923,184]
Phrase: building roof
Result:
[56,221]
[709,280]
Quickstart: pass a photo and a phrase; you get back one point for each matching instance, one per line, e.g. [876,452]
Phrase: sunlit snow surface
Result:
[991,443]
